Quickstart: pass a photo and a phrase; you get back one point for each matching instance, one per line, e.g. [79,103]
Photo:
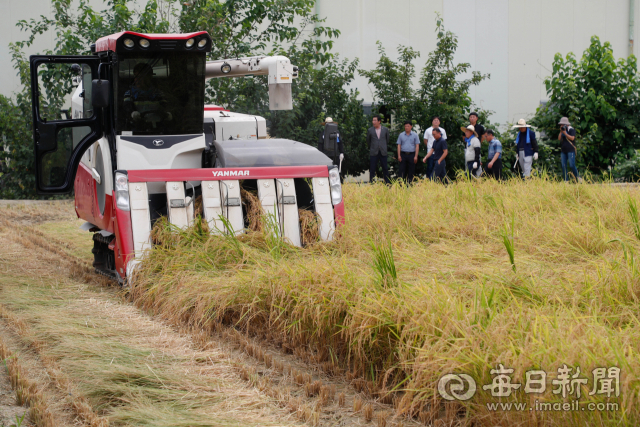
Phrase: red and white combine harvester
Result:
[138,143]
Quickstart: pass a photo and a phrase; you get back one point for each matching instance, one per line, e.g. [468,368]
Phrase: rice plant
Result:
[632,208]
[384,265]
[509,244]
[415,290]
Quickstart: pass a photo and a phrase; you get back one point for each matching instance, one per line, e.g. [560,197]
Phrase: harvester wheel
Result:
[104,260]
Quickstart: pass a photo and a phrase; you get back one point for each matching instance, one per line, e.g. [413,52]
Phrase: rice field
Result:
[429,280]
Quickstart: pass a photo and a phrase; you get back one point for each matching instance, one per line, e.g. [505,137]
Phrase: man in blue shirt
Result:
[408,147]
[494,167]
[438,152]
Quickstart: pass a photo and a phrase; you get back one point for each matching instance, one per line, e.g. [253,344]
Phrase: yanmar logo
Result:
[231,173]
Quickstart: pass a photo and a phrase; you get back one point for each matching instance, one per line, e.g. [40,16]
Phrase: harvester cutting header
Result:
[138,143]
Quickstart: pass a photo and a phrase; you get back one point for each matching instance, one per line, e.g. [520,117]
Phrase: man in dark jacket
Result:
[378,141]
[527,147]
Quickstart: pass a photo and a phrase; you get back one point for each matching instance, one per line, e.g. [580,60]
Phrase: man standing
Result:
[330,143]
[428,142]
[473,119]
[472,150]
[438,152]
[494,167]
[378,140]
[527,147]
[408,147]
[567,137]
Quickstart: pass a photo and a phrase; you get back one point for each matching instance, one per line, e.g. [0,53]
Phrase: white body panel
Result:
[185,155]
[178,216]
[212,206]
[237,126]
[231,193]
[289,219]
[140,218]
[267,196]
[324,207]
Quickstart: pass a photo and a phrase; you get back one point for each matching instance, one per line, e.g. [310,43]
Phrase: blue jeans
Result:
[430,166]
[571,159]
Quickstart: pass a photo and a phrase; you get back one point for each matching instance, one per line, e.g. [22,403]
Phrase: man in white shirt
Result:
[428,141]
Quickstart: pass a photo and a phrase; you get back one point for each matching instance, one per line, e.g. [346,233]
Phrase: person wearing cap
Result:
[408,147]
[438,152]
[428,142]
[494,167]
[567,137]
[378,141]
[527,147]
[333,148]
[473,119]
[472,150]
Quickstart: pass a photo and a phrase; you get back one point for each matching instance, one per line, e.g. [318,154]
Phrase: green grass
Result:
[458,304]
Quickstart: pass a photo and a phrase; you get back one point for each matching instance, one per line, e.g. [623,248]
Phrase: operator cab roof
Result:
[156,42]
[239,153]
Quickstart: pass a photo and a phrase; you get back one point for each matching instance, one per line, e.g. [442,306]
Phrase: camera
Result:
[563,127]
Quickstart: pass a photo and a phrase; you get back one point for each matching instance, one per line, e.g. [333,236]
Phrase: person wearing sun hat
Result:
[472,150]
[527,147]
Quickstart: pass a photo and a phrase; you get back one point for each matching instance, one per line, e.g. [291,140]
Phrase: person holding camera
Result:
[567,138]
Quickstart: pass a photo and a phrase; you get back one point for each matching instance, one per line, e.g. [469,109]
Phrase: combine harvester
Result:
[136,146]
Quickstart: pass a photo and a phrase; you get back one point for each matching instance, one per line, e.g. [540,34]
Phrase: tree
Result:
[442,92]
[601,99]
[238,28]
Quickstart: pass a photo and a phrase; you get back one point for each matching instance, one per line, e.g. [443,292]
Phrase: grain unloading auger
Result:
[138,143]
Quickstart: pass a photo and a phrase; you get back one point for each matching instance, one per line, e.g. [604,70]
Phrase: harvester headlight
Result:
[129,43]
[144,43]
[190,43]
[202,43]
[122,191]
[336,188]
[226,68]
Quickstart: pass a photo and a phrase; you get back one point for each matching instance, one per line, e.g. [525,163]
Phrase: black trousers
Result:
[496,170]
[373,166]
[440,171]
[407,166]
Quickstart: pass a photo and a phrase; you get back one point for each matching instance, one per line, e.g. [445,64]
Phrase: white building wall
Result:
[12,11]
[513,40]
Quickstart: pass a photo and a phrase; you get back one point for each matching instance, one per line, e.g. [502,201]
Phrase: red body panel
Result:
[109,42]
[124,239]
[283,172]
[212,107]
[87,201]
[338,211]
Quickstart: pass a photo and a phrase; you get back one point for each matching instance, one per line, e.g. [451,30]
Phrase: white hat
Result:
[521,124]
[328,120]
[470,127]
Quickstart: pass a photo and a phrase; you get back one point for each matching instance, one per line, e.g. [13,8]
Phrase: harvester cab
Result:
[127,130]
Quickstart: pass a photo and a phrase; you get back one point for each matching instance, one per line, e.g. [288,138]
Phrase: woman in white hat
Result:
[472,149]
[527,147]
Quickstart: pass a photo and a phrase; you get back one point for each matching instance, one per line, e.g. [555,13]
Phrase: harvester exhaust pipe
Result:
[279,69]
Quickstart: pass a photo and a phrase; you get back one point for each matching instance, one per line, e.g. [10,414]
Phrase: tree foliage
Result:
[247,28]
[601,98]
[443,91]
